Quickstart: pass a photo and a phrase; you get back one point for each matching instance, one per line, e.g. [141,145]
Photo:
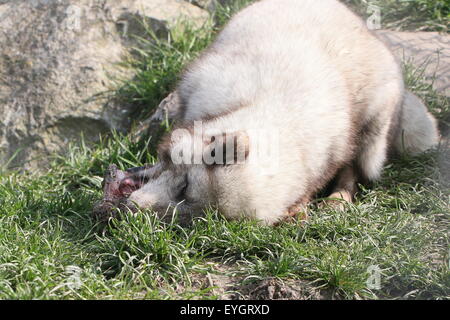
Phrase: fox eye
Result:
[182,189]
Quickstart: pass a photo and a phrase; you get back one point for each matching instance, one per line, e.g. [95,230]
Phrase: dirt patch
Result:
[276,289]
[226,285]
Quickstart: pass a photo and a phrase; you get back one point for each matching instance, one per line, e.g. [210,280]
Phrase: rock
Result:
[58,63]
[423,49]
[209,5]
[275,289]
[158,14]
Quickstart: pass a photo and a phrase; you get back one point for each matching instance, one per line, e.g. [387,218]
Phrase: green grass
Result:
[400,224]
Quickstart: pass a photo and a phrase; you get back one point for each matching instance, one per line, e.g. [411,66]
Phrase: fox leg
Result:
[344,189]
[374,139]
[298,210]
[380,126]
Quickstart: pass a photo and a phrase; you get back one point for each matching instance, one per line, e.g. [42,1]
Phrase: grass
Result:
[47,240]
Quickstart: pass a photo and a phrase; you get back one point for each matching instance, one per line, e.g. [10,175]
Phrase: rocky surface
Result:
[428,50]
[209,5]
[226,285]
[59,58]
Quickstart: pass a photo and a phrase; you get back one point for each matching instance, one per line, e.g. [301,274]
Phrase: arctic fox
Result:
[311,75]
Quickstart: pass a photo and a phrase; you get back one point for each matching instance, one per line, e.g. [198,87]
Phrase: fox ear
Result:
[227,149]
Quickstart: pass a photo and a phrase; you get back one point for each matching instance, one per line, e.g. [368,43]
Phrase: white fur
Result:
[419,130]
[305,71]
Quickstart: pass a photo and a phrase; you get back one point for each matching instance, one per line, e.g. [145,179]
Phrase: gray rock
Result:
[59,59]
[430,50]
[209,5]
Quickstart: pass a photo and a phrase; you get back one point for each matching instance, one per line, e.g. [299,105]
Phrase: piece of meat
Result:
[117,187]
